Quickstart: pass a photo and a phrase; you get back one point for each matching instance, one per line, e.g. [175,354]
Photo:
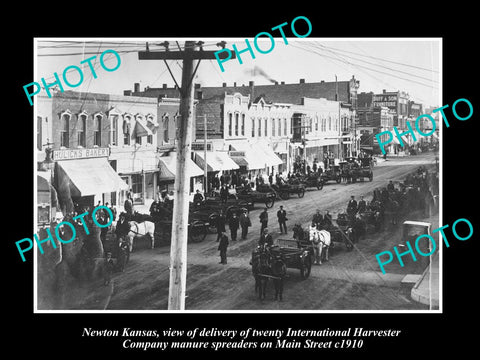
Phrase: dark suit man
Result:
[233,224]
[263,220]
[222,247]
[265,239]
[282,219]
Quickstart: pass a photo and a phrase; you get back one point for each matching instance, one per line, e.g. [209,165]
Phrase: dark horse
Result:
[266,266]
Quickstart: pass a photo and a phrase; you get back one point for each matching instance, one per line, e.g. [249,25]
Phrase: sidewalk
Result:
[421,290]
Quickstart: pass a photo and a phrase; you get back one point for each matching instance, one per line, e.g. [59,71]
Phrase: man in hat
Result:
[233,224]
[266,239]
[263,220]
[245,223]
[222,247]
[282,219]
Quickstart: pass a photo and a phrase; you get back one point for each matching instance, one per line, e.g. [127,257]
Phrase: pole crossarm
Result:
[182,55]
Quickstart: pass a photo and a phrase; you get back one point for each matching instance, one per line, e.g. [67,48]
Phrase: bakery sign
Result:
[80,153]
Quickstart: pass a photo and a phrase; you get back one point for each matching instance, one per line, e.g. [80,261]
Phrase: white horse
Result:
[320,239]
[139,230]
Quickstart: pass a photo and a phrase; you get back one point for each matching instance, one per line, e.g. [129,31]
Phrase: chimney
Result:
[127,92]
[234,84]
[224,85]
[282,83]
[251,84]
[276,82]
[136,87]
[302,81]
[384,91]
[322,81]
[197,86]
[164,86]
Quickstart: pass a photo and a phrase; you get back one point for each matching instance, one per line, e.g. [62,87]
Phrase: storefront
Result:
[167,165]
[83,177]
[138,169]
[218,163]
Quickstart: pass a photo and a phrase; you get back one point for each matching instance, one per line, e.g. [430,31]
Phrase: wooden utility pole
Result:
[178,249]
[205,168]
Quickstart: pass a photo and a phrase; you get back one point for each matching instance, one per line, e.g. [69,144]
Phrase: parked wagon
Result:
[295,255]
[285,190]
[254,196]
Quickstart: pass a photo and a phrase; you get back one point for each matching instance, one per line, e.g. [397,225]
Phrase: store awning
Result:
[91,176]
[216,161]
[141,128]
[253,159]
[267,154]
[168,167]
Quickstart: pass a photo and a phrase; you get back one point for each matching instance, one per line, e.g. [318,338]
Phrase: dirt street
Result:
[350,280]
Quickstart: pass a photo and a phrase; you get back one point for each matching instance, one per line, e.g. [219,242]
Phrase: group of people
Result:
[244,222]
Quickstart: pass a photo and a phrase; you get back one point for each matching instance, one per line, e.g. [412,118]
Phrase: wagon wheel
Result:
[197,231]
[301,193]
[269,202]
[305,267]
[285,195]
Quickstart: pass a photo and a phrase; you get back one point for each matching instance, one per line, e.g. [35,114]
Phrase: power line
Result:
[365,67]
[386,60]
[382,66]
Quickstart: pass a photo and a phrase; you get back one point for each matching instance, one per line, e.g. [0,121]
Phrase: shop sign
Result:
[236,153]
[70,154]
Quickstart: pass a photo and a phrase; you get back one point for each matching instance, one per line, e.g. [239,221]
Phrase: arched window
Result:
[166,121]
[237,123]
[243,124]
[64,128]
[127,128]
[81,128]
[97,129]
[230,125]
[253,127]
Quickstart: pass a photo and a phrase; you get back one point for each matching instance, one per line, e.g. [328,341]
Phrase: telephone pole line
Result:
[178,249]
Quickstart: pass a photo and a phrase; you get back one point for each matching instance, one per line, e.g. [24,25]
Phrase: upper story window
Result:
[230,125]
[115,118]
[64,129]
[253,127]
[285,127]
[259,127]
[81,129]
[237,123]
[97,129]
[166,121]
[127,129]
[266,127]
[243,125]
[273,127]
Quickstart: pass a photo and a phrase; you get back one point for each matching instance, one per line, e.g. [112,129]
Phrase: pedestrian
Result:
[245,223]
[263,220]
[352,206]
[315,166]
[113,210]
[361,205]
[224,194]
[266,239]
[233,224]
[155,209]
[108,268]
[220,223]
[128,205]
[282,219]
[222,247]
[270,178]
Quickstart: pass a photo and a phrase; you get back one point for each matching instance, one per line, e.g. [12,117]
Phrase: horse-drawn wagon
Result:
[253,196]
[332,173]
[284,190]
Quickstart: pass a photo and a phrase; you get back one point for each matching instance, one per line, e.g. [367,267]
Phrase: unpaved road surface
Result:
[350,280]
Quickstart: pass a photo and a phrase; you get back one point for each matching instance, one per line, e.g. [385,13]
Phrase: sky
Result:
[412,65]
